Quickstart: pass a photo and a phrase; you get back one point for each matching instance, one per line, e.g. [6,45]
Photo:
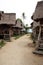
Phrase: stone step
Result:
[38,52]
[41,41]
[41,45]
[40,49]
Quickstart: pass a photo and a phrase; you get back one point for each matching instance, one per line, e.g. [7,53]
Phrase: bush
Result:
[2,43]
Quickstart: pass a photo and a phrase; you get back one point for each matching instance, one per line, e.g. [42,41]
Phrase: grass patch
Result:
[2,43]
[17,36]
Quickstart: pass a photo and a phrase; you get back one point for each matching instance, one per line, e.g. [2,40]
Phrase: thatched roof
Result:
[34,24]
[1,12]
[7,22]
[8,18]
[10,13]
[19,24]
[38,14]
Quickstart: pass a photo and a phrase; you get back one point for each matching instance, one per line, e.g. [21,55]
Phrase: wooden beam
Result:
[39,34]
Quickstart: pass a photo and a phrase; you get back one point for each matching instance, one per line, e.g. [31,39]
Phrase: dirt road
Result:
[18,52]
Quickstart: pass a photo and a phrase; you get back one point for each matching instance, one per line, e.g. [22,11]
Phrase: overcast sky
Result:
[18,7]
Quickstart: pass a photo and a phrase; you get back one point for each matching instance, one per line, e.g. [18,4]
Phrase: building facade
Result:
[9,25]
[7,20]
[18,28]
[37,27]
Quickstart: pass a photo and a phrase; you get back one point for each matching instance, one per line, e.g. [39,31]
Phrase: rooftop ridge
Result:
[9,13]
[39,3]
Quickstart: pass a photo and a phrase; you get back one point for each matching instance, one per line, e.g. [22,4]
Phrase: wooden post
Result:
[38,41]
[39,33]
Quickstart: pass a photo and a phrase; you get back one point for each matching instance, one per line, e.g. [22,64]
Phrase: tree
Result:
[23,16]
[26,28]
[26,25]
[19,20]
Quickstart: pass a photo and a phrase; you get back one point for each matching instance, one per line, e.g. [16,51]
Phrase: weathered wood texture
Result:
[37,27]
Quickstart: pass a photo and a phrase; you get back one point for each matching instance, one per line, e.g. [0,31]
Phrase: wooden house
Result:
[37,27]
[7,20]
[18,28]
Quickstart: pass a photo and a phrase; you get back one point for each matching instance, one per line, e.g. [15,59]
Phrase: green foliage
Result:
[23,15]
[19,20]
[2,43]
[17,36]
[26,25]
[26,28]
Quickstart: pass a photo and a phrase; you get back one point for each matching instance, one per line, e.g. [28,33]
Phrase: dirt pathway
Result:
[18,52]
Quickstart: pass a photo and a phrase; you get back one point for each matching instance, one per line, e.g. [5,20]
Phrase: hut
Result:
[18,28]
[38,27]
[7,20]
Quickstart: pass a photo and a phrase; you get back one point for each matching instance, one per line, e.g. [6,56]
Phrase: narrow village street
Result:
[18,52]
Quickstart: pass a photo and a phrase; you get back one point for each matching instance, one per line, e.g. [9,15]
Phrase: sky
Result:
[18,7]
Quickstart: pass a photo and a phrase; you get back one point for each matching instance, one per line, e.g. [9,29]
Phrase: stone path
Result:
[18,52]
